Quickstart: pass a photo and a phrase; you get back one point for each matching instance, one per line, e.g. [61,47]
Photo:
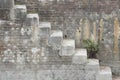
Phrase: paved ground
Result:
[116,77]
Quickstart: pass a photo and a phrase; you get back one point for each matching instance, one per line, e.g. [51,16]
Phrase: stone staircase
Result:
[63,62]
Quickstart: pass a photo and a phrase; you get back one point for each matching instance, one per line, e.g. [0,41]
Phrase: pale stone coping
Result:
[93,64]
[56,38]
[45,25]
[104,73]
[56,33]
[68,42]
[32,15]
[80,52]
[44,66]
[67,47]
[20,6]
[80,56]
[105,70]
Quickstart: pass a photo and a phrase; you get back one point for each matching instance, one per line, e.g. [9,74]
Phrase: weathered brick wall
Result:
[66,15]
[94,5]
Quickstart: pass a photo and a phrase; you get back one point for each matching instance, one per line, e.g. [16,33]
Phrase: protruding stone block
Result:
[6,4]
[93,64]
[20,11]
[80,56]
[44,32]
[56,39]
[104,74]
[45,29]
[32,19]
[68,47]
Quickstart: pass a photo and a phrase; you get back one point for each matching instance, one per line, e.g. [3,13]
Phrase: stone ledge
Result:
[80,56]
[67,48]
[20,12]
[20,7]
[56,39]
[44,29]
[45,25]
[104,74]
[32,19]
[59,65]
[92,64]
[32,15]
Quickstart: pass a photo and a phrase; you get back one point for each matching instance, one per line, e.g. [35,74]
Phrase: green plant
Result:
[92,47]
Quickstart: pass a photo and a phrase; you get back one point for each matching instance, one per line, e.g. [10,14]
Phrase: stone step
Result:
[104,73]
[80,56]
[32,23]
[92,64]
[20,12]
[32,19]
[67,48]
[44,30]
[56,39]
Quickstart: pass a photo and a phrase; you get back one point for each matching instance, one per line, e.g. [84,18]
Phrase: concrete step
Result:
[32,19]
[56,39]
[20,11]
[44,30]
[67,48]
[80,56]
[104,73]
[92,64]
